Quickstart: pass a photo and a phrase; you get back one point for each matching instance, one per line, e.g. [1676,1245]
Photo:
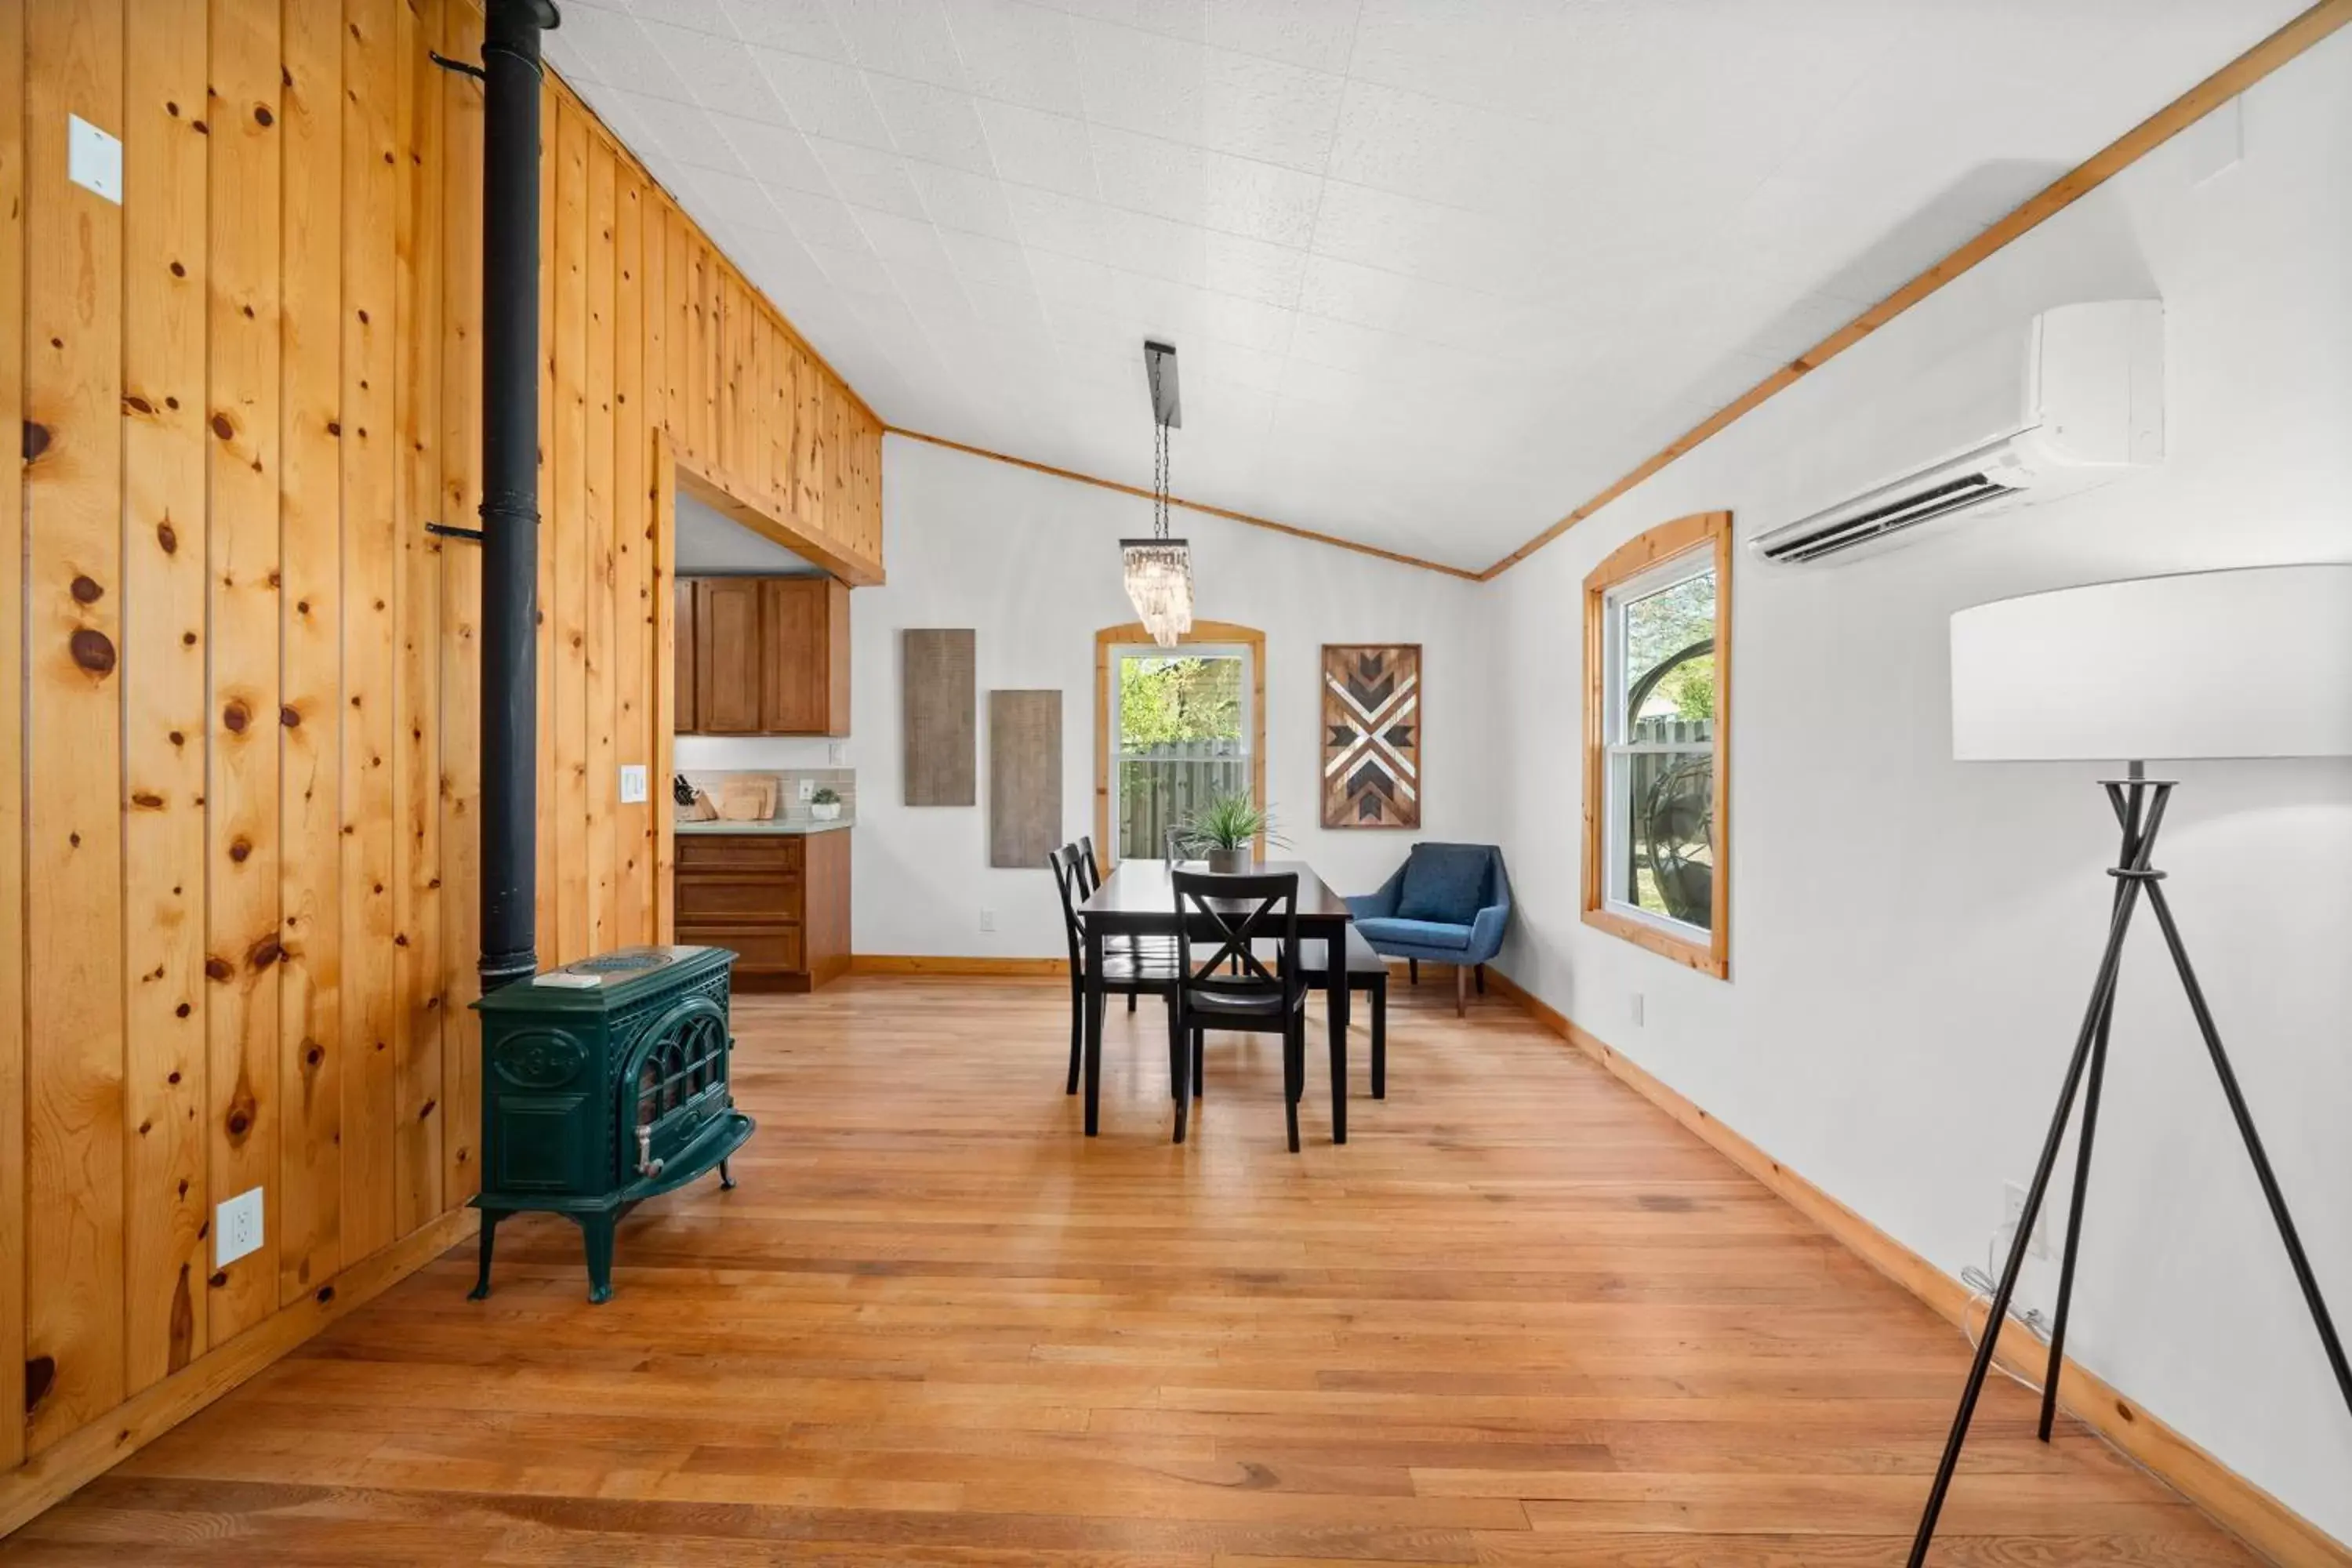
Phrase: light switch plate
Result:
[633,784]
[93,159]
[237,1227]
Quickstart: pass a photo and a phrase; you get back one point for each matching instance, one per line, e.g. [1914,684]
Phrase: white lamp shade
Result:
[2255,662]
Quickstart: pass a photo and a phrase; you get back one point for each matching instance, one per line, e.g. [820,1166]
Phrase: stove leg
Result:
[596,1237]
[726,1182]
[482,1290]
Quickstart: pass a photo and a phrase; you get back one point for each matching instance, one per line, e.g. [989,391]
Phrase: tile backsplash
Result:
[790,807]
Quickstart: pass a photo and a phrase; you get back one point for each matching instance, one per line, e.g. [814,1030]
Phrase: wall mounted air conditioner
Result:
[2072,400]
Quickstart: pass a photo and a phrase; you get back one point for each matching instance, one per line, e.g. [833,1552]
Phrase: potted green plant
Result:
[824,803]
[1226,830]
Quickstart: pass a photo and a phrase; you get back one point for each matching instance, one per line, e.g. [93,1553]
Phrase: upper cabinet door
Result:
[728,643]
[805,677]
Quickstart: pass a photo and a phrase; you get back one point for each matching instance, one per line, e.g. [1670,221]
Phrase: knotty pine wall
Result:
[238,854]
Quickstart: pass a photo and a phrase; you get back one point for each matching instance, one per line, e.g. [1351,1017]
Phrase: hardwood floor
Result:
[1520,1318]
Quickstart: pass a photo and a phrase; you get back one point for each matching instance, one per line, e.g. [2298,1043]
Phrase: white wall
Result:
[1030,563]
[1913,940]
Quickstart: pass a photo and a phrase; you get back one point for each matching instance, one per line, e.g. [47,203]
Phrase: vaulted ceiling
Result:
[1437,271]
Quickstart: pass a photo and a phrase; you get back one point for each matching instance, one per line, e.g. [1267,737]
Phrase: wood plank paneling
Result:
[550,113]
[416,413]
[565,544]
[597,549]
[632,627]
[461,601]
[12,746]
[73,629]
[164,655]
[311,817]
[372,1008]
[242,943]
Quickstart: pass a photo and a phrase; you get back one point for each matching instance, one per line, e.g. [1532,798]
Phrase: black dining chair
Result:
[1231,987]
[1161,948]
[1123,970]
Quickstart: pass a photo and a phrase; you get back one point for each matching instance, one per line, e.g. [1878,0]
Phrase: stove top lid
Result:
[608,979]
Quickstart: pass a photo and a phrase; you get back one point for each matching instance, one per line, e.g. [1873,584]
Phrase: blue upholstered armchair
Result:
[1449,902]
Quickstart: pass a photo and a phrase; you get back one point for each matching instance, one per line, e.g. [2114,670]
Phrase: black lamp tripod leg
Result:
[2127,802]
[2312,1299]
[2103,992]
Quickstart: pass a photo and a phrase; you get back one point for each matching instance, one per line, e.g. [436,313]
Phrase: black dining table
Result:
[1137,899]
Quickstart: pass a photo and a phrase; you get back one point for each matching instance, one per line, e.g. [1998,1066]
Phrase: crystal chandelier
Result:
[1160,569]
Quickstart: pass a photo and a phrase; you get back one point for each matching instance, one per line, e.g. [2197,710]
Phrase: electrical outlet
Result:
[808,789]
[93,159]
[633,784]
[2013,1204]
[1637,1009]
[237,1227]
[988,920]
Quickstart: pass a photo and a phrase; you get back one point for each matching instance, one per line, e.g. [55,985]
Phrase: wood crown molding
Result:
[1203,508]
[2240,1507]
[2292,40]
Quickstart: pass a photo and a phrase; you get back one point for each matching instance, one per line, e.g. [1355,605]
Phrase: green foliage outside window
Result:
[1163,701]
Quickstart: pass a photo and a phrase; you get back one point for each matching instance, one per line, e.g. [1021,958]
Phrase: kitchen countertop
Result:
[773,824]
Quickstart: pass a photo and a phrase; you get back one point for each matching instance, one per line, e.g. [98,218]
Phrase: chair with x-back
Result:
[1130,967]
[1226,926]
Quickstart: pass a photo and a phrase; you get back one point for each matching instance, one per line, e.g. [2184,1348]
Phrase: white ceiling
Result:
[1437,271]
[712,543]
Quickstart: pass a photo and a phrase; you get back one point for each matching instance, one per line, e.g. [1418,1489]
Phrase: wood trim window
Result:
[1657,727]
[1108,644]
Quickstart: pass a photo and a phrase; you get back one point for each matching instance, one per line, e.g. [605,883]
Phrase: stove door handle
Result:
[647,1165]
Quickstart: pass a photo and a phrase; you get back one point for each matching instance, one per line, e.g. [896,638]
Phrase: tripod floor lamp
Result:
[2161,667]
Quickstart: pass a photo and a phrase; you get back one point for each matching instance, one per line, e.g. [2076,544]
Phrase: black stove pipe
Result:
[510,138]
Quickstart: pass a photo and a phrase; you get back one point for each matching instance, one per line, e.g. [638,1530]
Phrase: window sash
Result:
[1617,824]
[1120,753]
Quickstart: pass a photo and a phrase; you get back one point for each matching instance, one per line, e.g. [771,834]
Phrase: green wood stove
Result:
[605,1083]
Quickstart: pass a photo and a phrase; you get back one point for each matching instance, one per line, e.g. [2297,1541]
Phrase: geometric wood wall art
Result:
[1024,777]
[936,666]
[1371,735]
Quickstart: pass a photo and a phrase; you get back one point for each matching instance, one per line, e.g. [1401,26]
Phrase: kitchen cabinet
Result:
[779,901]
[771,656]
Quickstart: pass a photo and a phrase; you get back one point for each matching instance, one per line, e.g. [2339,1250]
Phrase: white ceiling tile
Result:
[1253,269]
[823,223]
[1018,53]
[719,71]
[1049,221]
[611,47]
[1260,201]
[1149,174]
[983,261]
[953,199]
[682,131]
[823,99]
[1047,151]
[907,39]
[910,241]
[1153,246]
[736,201]
[799,26]
[933,124]
[868,177]
[1317,34]
[778,156]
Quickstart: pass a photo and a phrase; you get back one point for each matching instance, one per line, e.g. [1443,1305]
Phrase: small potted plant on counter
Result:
[1226,831]
[825,805]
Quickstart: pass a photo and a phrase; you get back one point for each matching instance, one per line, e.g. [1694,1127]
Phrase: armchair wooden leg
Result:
[1413,971]
[1461,990]
[1481,972]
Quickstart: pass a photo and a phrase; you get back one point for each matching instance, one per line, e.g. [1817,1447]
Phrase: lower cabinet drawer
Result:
[755,947]
[706,896]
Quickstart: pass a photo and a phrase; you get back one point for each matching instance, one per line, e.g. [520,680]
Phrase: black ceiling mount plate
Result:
[1160,374]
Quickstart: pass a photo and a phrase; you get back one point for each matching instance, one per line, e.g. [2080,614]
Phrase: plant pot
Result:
[1226,862]
[825,810]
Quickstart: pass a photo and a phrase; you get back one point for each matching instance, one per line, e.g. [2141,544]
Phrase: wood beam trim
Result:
[2293,39]
[1202,507]
[854,570]
[2237,1504]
